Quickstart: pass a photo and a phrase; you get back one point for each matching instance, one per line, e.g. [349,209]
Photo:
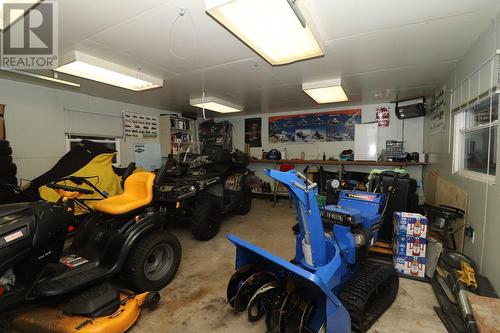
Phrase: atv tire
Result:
[206,219]
[8,180]
[5,150]
[153,262]
[5,160]
[369,294]
[246,201]
[8,170]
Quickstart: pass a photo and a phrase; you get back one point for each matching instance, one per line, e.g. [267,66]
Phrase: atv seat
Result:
[138,192]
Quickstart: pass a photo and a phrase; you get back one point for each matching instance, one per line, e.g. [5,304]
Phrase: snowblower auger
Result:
[329,286]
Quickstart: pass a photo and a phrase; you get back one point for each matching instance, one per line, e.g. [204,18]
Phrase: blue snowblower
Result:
[330,285]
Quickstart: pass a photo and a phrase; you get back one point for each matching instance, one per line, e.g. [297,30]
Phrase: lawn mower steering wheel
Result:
[69,188]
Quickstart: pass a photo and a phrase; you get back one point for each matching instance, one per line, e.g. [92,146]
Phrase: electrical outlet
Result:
[469,232]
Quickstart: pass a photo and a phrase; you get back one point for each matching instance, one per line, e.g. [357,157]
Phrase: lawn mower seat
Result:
[138,193]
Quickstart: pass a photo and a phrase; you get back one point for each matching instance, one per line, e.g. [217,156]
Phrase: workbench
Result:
[341,163]
[260,164]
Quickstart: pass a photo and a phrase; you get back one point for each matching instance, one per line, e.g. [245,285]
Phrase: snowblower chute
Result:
[329,286]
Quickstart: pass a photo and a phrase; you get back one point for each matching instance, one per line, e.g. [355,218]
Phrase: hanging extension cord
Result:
[182,12]
[203,103]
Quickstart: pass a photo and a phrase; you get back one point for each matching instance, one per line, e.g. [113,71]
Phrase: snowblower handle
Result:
[309,184]
[304,178]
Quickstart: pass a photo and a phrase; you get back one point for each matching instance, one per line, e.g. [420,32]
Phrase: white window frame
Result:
[78,138]
[459,121]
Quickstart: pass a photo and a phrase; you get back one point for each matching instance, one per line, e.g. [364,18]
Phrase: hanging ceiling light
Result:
[92,68]
[215,104]
[328,91]
[275,29]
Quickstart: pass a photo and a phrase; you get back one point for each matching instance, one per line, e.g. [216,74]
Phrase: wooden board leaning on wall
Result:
[439,191]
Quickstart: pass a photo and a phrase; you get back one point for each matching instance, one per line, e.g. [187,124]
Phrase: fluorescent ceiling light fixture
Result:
[329,91]
[38,76]
[96,69]
[275,29]
[23,5]
[215,104]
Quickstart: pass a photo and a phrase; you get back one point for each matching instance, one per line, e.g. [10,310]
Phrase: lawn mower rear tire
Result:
[144,269]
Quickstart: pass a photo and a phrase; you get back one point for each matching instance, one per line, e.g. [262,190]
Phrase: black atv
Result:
[200,188]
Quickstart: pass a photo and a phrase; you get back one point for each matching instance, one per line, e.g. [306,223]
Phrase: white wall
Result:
[34,117]
[483,209]
[413,137]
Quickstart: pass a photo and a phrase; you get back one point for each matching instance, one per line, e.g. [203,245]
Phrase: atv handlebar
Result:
[69,188]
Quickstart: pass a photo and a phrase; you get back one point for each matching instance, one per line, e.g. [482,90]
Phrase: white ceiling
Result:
[383,49]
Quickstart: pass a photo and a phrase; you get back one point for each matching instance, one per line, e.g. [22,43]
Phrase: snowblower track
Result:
[369,294]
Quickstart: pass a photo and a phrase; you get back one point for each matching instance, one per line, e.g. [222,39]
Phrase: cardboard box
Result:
[409,265]
[399,245]
[415,266]
[400,264]
[409,246]
[416,246]
[410,224]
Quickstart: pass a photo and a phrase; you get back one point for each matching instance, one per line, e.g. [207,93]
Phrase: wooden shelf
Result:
[321,162]
[167,130]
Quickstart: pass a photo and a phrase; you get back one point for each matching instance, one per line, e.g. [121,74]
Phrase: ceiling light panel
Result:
[329,91]
[215,104]
[99,70]
[270,27]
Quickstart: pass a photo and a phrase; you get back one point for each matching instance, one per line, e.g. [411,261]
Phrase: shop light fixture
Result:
[92,68]
[275,29]
[22,6]
[328,91]
[215,104]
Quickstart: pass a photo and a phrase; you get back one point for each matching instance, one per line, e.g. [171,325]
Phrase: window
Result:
[109,142]
[475,139]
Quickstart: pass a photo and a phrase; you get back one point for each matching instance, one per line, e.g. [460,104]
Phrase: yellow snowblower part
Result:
[467,275]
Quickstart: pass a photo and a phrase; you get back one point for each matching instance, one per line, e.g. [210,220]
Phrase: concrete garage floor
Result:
[195,301]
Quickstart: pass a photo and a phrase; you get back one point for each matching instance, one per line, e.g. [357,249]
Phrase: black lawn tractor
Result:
[124,238]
